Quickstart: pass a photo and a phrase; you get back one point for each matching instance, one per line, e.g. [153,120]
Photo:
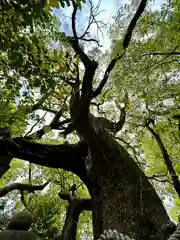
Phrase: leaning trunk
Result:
[123,197]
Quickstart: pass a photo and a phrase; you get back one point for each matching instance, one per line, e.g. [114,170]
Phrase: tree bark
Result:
[123,197]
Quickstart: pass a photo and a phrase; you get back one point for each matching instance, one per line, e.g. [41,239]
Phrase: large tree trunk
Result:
[123,197]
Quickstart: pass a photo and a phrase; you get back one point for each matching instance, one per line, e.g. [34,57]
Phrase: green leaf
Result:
[47,129]
[53,3]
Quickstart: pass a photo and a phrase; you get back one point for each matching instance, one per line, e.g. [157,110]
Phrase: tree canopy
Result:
[105,120]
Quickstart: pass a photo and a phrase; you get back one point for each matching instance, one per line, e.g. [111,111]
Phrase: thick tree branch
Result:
[8,149]
[88,79]
[156,178]
[126,42]
[55,124]
[112,126]
[167,159]
[21,187]
[70,157]
[76,206]
[90,40]
[66,156]
[176,233]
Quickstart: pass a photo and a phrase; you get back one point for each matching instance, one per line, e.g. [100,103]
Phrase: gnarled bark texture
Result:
[123,197]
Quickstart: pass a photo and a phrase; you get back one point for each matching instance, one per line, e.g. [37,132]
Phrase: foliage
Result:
[63,3]
[29,64]
[149,73]
[36,75]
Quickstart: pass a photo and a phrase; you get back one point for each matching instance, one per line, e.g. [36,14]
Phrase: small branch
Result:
[55,124]
[158,176]
[160,54]
[23,200]
[112,126]
[74,42]
[21,187]
[76,206]
[94,12]
[106,75]
[119,125]
[97,105]
[167,159]
[69,129]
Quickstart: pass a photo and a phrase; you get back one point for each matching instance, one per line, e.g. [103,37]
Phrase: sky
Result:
[109,9]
